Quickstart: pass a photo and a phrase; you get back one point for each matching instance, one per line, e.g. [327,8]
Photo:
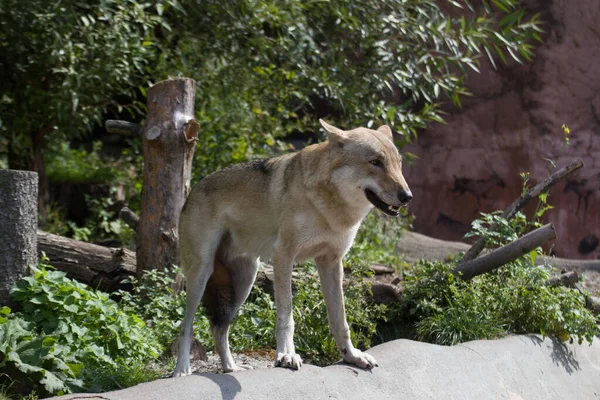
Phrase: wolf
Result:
[286,209]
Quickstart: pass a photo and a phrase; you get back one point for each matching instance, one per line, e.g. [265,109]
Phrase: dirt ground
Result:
[253,359]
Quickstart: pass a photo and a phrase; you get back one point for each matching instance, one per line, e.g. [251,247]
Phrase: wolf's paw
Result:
[284,360]
[236,368]
[182,370]
[360,359]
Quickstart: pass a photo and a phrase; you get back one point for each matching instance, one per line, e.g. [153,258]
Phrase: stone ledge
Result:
[514,368]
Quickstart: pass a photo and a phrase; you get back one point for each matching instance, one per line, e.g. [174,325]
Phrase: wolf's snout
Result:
[405,196]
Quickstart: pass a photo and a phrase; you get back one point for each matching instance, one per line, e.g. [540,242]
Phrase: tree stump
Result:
[168,142]
[18,227]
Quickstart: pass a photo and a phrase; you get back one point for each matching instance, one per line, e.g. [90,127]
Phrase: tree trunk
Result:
[96,266]
[168,141]
[18,224]
[36,163]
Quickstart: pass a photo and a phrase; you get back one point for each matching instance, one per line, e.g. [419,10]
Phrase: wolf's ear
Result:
[387,131]
[333,134]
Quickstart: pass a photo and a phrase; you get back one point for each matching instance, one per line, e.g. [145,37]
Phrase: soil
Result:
[255,359]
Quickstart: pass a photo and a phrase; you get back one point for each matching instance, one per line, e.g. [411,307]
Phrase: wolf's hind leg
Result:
[227,290]
[196,280]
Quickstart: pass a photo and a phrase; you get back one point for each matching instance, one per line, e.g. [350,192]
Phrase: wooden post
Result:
[168,142]
[18,227]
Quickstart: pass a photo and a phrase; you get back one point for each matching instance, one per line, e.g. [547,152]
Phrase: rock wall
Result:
[513,125]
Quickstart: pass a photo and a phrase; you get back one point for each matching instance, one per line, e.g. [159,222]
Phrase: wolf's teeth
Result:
[392,208]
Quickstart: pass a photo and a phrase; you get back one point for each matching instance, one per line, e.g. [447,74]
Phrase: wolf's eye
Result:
[376,162]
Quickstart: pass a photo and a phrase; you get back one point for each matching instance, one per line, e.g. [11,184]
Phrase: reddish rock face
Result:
[513,125]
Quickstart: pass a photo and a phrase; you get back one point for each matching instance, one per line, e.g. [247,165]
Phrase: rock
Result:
[513,125]
[517,367]
[415,246]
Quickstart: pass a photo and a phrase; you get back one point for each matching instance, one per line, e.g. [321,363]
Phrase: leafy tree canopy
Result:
[265,68]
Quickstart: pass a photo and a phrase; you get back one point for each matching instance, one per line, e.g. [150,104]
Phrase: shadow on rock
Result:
[228,384]
[561,355]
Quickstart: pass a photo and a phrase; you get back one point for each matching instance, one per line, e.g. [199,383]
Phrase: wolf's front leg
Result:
[284,329]
[331,274]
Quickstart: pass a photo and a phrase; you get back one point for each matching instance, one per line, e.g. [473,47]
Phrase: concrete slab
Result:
[514,368]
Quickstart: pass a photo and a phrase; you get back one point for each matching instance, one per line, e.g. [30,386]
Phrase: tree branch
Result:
[129,217]
[507,253]
[123,128]
[532,193]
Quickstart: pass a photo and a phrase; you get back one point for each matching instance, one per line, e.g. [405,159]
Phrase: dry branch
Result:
[506,253]
[129,217]
[123,128]
[97,266]
[532,193]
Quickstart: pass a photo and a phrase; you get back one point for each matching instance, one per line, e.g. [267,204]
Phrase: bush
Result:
[67,332]
[441,308]
[446,310]
[153,299]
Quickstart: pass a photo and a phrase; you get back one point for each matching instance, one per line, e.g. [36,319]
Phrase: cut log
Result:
[98,266]
[130,218]
[18,223]
[123,128]
[507,253]
[380,269]
[532,193]
[168,145]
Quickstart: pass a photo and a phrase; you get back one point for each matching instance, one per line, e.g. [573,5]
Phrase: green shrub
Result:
[376,240]
[64,164]
[153,299]
[313,338]
[67,332]
[443,309]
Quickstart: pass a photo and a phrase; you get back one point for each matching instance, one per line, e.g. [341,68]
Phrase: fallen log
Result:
[507,253]
[567,279]
[97,266]
[532,193]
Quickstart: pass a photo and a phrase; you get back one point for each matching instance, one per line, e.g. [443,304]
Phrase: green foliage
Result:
[376,240]
[442,308]
[153,299]
[64,164]
[496,230]
[446,310]
[65,62]
[255,326]
[42,360]
[266,69]
[313,338]
[105,222]
[66,332]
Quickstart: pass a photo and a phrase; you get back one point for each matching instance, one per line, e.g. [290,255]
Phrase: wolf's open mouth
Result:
[383,206]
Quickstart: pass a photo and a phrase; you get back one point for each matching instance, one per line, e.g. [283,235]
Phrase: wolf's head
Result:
[369,167]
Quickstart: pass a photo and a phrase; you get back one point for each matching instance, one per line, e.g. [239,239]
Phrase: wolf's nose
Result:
[405,196]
